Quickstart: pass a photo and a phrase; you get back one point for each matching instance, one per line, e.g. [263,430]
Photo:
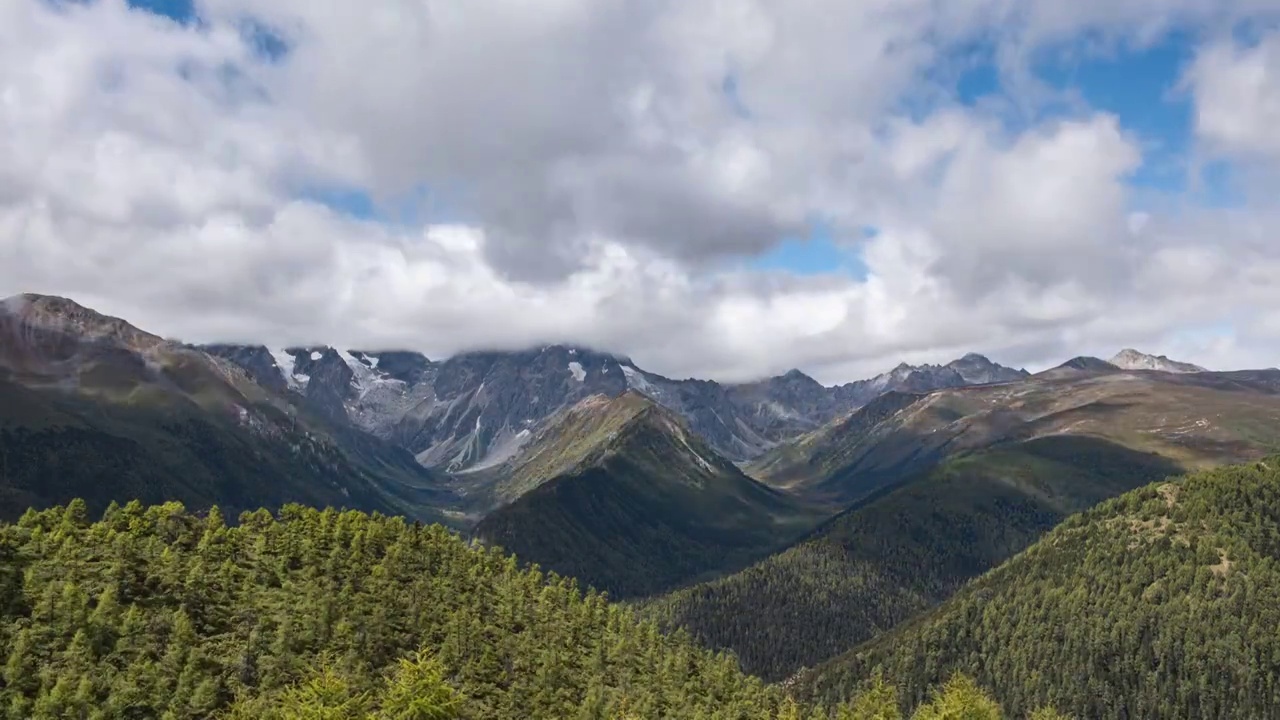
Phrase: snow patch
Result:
[576,370]
[373,361]
[285,363]
[315,355]
[366,378]
[636,380]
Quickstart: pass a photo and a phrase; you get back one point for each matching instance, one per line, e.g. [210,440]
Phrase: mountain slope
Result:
[1197,420]
[620,494]
[946,485]
[1160,603]
[91,406]
[901,552]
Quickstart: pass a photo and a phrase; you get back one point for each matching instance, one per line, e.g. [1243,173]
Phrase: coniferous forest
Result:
[153,612]
[1162,603]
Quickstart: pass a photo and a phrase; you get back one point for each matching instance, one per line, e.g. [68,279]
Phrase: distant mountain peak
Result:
[1077,366]
[795,376]
[1130,359]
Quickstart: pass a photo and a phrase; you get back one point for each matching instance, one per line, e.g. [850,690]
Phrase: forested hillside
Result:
[153,612]
[1162,603]
[902,551]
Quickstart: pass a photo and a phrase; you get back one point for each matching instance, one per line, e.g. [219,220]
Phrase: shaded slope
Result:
[901,551]
[92,407]
[627,499]
[1160,603]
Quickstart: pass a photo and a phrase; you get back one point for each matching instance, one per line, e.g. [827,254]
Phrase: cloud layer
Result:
[596,171]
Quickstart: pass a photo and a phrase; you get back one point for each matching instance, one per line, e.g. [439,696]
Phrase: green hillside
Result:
[639,504]
[1163,603]
[568,439]
[901,551]
[156,613]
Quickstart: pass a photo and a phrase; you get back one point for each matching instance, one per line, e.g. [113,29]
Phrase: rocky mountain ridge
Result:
[1130,359]
[477,410]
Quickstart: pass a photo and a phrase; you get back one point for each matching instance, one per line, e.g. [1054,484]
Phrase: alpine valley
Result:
[852,546]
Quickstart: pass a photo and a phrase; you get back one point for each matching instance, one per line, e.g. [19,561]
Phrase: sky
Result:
[724,189]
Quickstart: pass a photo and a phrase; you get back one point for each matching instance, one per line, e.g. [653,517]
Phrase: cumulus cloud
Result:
[597,169]
[1237,93]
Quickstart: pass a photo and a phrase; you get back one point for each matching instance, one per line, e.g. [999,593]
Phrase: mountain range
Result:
[815,532]
[478,409]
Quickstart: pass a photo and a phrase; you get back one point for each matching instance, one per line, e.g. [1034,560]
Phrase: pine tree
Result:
[959,699]
[417,691]
[878,702]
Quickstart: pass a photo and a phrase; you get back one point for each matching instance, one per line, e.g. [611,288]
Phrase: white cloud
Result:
[595,178]
[1237,96]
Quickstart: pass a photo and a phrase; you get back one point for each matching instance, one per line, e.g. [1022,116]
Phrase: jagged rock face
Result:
[407,367]
[329,380]
[481,407]
[742,421]
[256,360]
